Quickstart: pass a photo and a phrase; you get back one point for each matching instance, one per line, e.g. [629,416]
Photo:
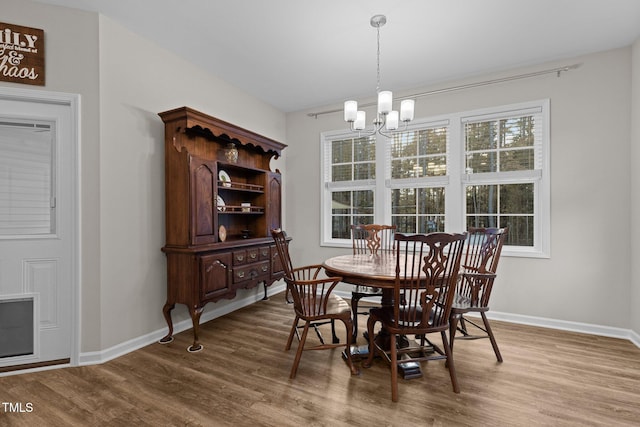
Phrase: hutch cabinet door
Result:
[203,195]
[277,270]
[215,275]
[274,208]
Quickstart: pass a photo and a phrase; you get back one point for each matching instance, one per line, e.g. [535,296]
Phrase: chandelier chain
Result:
[378,69]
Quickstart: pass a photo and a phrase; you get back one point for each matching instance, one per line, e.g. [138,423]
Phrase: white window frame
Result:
[328,187]
[455,181]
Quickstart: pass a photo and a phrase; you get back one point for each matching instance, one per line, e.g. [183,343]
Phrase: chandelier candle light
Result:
[386,116]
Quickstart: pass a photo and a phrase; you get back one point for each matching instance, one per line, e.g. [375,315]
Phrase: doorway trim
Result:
[72,101]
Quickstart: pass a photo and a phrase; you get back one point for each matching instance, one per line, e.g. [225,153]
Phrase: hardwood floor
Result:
[241,378]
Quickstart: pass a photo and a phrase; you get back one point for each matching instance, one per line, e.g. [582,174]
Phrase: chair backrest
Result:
[372,238]
[482,254]
[309,291]
[426,273]
[282,246]
[483,248]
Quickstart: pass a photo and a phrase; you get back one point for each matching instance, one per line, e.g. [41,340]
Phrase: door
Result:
[38,228]
[203,190]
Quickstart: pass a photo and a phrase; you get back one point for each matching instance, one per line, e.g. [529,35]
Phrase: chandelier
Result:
[386,117]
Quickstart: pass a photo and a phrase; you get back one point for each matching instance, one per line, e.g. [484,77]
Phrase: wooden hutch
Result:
[222,200]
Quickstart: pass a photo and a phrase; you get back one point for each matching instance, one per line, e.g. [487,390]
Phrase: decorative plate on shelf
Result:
[222,233]
[225,178]
[220,204]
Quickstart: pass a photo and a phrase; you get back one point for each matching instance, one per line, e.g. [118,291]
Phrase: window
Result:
[351,173]
[506,174]
[26,178]
[480,168]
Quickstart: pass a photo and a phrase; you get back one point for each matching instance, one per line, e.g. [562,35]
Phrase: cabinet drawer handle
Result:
[265,254]
[265,268]
[241,274]
[253,255]
[240,257]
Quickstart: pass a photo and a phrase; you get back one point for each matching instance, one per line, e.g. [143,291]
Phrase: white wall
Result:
[634,301]
[586,279]
[138,80]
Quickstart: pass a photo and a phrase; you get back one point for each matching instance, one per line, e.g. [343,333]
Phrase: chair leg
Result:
[394,368]
[334,337]
[449,363]
[354,309]
[294,328]
[296,361]
[348,323]
[494,344]
[453,326]
[463,326]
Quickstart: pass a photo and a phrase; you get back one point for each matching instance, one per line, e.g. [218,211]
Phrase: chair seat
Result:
[385,315]
[335,306]
[464,303]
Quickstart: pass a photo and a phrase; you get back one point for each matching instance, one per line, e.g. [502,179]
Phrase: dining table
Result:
[378,271]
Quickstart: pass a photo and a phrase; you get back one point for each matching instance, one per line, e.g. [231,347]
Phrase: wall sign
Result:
[21,54]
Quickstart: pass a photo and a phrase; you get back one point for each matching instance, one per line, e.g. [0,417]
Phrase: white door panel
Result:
[38,225]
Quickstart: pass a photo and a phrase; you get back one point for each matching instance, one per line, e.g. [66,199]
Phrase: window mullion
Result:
[454,191]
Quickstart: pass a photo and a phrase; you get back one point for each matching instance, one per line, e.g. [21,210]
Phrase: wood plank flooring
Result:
[241,378]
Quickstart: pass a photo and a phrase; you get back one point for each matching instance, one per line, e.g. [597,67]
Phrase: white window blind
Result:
[27,197]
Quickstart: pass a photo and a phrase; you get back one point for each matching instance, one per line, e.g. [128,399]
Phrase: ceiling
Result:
[296,54]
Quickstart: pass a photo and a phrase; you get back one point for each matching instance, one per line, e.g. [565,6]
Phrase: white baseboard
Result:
[586,328]
[565,325]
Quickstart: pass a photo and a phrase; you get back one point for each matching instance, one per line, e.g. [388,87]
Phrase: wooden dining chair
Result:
[370,239]
[426,273]
[479,266]
[317,324]
[312,302]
